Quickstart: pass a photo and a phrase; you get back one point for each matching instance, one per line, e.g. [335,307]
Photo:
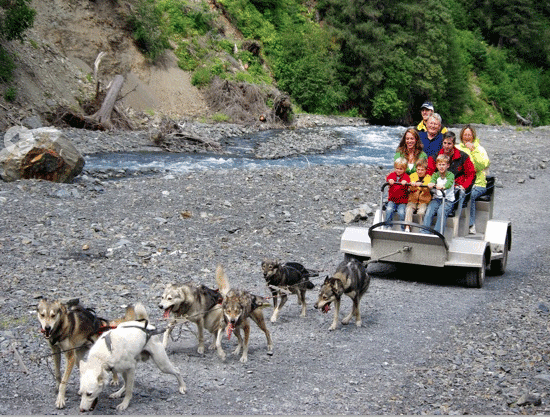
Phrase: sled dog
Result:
[286,277]
[351,279]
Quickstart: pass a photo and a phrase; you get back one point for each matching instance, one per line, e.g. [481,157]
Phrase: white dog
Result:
[120,349]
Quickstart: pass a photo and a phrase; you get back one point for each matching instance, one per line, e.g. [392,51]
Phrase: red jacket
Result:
[398,193]
[461,166]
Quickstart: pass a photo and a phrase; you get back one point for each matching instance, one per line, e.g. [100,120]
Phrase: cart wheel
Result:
[475,277]
[498,266]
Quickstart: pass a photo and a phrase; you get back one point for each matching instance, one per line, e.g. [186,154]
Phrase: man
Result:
[432,138]
[460,165]
[426,111]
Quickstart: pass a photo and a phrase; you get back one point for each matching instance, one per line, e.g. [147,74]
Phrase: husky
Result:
[70,328]
[198,304]
[286,277]
[237,307]
[119,350]
[350,278]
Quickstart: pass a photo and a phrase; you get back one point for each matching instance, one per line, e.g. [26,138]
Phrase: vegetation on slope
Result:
[478,61]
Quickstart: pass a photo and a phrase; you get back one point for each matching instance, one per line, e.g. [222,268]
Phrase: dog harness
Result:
[148,334]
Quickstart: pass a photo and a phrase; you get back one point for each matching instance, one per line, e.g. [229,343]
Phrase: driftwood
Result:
[524,121]
[103,116]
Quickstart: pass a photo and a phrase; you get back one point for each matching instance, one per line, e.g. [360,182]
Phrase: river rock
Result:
[43,153]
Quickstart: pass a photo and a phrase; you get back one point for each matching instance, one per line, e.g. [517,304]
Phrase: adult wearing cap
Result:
[426,111]
[432,138]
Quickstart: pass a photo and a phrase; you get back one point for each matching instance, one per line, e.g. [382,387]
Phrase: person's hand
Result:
[391,182]
[470,145]
[431,185]
[403,182]
[418,183]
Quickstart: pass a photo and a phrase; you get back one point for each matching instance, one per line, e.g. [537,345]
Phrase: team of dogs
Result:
[100,347]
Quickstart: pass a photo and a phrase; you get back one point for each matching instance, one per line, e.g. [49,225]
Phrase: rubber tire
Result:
[498,266]
[475,277]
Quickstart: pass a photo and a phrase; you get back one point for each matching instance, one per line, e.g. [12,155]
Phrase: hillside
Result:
[55,64]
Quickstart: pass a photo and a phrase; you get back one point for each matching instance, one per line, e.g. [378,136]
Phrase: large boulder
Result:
[44,153]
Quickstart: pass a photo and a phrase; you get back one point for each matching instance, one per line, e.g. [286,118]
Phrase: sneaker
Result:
[473,229]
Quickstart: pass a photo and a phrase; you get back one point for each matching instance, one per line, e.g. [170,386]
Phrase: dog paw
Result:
[244,359]
[222,356]
[200,350]
[333,327]
[60,402]
[358,323]
[122,406]
[183,389]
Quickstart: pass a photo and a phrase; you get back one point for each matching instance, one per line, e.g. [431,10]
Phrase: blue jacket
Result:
[431,147]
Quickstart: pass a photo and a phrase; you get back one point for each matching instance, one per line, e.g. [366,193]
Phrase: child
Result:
[443,180]
[419,197]
[399,191]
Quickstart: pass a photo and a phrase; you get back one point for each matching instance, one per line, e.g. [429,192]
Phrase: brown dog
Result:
[238,306]
[350,278]
[72,329]
[198,304]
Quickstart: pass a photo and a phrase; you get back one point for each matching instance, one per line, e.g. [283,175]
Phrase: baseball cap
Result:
[427,105]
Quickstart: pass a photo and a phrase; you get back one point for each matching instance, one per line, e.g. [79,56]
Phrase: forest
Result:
[479,61]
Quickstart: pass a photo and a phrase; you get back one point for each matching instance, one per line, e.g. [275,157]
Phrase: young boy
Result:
[419,197]
[399,191]
[443,180]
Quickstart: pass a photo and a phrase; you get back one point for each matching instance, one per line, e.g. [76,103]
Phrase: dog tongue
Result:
[229,330]
[166,313]
[326,308]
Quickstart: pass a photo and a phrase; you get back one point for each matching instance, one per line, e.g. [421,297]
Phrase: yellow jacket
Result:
[420,194]
[480,159]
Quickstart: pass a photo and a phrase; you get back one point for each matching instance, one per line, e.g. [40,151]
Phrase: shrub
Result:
[10,94]
[16,19]
[147,27]
[201,77]
[6,66]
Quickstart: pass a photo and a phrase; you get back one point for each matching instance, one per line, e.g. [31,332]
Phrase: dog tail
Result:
[221,280]
[141,312]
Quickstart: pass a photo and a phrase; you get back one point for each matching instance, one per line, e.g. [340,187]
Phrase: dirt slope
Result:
[54,64]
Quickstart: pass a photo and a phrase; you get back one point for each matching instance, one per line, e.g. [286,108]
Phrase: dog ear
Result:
[327,279]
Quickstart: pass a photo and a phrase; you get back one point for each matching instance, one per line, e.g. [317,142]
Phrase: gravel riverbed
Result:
[112,243]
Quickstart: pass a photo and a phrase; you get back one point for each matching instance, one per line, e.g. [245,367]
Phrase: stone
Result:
[43,153]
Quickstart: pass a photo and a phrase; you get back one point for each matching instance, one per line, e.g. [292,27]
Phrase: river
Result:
[370,145]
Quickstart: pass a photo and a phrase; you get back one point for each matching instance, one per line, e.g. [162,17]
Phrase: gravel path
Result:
[112,243]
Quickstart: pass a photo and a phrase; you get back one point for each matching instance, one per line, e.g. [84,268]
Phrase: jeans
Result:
[476,193]
[461,198]
[443,212]
[391,208]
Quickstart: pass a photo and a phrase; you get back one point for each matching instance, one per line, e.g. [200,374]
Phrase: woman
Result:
[469,143]
[410,148]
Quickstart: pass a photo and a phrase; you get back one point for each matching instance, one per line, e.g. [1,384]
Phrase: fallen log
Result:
[103,116]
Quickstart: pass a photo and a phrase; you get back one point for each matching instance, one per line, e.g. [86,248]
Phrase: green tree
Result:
[400,51]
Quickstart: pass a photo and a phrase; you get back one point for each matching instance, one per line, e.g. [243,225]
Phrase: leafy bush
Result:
[6,66]
[201,77]
[10,94]
[186,20]
[147,28]
[386,105]
[16,19]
